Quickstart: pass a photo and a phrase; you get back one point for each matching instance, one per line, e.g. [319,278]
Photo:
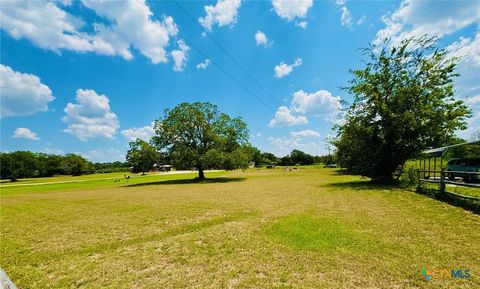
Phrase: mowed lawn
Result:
[307,228]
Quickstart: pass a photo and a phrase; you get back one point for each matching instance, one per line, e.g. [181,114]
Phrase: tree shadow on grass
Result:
[190,181]
[361,185]
[466,204]
[342,172]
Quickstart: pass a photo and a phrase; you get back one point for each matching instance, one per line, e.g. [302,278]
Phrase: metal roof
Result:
[435,152]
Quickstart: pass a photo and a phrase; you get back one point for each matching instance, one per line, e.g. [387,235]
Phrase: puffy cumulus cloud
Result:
[104,155]
[223,13]
[180,56]
[133,27]
[261,39]
[304,133]
[144,133]
[48,26]
[22,93]
[130,25]
[284,145]
[416,18]
[284,117]
[203,65]
[320,103]
[290,10]
[284,69]
[25,133]
[90,116]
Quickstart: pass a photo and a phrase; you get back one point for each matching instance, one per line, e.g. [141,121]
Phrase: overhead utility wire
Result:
[228,74]
[227,53]
[225,72]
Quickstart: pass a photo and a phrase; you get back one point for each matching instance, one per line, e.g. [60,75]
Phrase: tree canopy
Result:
[142,156]
[403,103]
[297,157]
[26,164]
[197,135]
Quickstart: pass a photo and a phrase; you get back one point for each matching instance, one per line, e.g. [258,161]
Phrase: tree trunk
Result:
[201,175]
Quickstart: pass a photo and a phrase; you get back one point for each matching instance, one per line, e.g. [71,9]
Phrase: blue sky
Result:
[88,76]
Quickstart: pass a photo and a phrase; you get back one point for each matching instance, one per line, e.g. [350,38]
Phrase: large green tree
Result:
[142,156]
[76,165]
[403,103]
[197,135]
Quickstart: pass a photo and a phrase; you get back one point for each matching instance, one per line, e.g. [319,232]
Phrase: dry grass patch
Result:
[310,228]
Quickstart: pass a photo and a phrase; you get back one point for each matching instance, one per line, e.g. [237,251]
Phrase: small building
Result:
[162,168]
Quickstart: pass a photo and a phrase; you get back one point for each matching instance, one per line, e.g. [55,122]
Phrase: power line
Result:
[226,73]
[227,53]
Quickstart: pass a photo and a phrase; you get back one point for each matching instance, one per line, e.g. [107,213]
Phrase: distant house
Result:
[162,168]
[251,165]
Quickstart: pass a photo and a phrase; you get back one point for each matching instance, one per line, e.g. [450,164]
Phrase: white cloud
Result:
[130,25]
[284,69]
[180,56]
[223,13]
[290,10]
[284,145]
[467,50]
[104,155]
[361,20]
[53,151]
[90,116]
[144,133]
[262,39]
[304,133]
[416,18]
[473,123]
[203,65]
[301,24]
[284,117]
[473,127]
[346,19]
[25,133]
[320,103]
[22,93]
[474,101]
[445,18]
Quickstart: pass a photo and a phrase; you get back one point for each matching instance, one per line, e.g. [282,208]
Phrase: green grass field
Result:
[307,228]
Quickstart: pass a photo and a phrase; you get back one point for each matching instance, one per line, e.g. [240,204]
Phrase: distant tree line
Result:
[142,157]
[26,164]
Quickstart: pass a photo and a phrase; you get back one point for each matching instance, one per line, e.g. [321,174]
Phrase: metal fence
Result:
[443,178]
